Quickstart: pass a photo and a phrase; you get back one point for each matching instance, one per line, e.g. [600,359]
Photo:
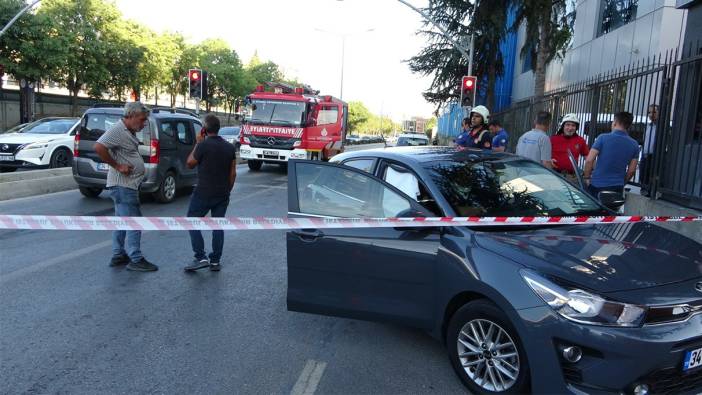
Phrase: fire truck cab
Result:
[291,123]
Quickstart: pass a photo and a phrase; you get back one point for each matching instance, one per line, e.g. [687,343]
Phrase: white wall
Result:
[658,27]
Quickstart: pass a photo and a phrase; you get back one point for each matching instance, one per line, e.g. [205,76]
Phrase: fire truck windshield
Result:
[276,112]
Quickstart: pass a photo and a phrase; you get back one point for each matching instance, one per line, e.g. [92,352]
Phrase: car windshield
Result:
[276,112]
[509,188]
[54,126]
[16,128]
[411,141]
[229,131]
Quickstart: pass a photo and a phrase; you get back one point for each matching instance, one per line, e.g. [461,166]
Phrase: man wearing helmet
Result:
[565,140]
[479,135]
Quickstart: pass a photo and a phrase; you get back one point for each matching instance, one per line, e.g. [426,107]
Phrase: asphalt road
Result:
[71,324]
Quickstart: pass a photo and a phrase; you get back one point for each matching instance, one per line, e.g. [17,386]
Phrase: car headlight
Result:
[582,306]
[35,146]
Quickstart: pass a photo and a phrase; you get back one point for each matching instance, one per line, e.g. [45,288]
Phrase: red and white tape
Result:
[54,222]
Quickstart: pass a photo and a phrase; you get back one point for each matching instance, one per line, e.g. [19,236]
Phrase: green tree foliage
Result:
[358,114]
[361,120]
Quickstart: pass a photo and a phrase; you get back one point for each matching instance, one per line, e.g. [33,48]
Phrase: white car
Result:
[412,139]
[45,143]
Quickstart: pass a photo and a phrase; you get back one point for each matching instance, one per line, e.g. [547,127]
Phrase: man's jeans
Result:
[126,205]
[199,207]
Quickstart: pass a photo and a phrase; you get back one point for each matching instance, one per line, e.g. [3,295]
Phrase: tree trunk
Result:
[542,54]
[74,100]
[490,99]
[173,99]
[156,95]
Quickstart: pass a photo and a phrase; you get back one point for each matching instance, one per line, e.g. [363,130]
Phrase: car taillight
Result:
[154,151]
[76,144]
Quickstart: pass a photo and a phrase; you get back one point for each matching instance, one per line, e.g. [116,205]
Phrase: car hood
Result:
[24,138]
[603,258]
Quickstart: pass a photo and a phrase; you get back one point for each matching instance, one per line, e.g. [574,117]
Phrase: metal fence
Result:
[671,140]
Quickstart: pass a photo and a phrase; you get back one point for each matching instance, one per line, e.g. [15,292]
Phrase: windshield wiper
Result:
[283,122]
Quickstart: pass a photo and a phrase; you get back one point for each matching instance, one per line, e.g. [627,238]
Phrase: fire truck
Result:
[291,123]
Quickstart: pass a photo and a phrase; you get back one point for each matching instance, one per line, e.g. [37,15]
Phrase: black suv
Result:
[165,143]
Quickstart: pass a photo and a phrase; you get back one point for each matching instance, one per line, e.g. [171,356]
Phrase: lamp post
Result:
[19,14]
[343,52]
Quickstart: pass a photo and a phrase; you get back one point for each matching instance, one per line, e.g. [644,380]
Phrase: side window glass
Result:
[337,192]
[327,115]
[167,129]
[184,135]
[361,164]
[405,180]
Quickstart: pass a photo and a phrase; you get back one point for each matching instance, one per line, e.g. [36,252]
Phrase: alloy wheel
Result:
[169,187]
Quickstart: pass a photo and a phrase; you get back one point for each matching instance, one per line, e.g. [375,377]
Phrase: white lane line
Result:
[53,261]
[309,378]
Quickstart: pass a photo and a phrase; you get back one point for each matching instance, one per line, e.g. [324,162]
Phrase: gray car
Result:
[165,143]
[544,309]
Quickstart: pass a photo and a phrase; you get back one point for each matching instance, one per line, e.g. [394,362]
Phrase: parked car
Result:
[573,308]
[231,134]
[412,139]
[45,143]
[165,143]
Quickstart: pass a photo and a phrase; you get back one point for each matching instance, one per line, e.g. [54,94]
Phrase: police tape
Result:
[55,222]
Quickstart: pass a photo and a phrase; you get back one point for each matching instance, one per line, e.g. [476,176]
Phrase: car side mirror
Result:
[612,200]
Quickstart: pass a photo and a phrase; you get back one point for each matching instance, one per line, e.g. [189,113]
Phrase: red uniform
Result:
[560,144]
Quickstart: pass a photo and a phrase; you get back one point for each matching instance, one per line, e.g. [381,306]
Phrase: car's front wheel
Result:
[90,192]
[485,350]
[61,157]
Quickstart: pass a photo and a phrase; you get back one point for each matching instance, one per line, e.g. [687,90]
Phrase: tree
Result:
[358,115]
[548,30]
[80,26]
[486,20]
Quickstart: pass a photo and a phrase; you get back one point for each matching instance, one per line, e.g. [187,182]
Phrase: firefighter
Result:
[479,134]
[567,139]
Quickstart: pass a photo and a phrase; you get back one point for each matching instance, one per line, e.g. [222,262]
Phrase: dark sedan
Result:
[547,309]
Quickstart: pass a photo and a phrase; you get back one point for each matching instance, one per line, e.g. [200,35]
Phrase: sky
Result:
[304,37]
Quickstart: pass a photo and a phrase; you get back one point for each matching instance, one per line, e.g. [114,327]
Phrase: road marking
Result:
[309,378]
[50,262]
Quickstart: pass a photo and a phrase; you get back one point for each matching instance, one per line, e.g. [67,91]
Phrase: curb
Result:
[35,182]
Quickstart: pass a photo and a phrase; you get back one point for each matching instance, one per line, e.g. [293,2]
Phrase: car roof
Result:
[423,154]
[158,113]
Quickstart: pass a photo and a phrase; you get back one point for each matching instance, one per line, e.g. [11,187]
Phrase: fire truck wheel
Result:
[254,165]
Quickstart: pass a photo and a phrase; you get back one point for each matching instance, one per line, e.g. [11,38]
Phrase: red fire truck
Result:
[291,123]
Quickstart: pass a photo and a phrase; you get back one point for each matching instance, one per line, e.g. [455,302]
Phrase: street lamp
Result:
[19,14]
[343,51]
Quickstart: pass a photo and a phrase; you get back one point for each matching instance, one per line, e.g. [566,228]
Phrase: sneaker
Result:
[119,260]
[142,266]
[197,265]
[215,266]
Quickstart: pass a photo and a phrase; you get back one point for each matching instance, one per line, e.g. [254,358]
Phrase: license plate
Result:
[103,166]
[270,153]
[7,158]
[693,359]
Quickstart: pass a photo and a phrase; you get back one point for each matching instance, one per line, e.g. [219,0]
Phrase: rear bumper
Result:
[86,174]
[250,153]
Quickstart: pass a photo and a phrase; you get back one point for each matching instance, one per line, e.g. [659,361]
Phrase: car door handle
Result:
[308,234]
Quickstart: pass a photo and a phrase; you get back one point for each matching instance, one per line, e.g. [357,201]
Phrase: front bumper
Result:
[615,360]
[33,158]
[273,155]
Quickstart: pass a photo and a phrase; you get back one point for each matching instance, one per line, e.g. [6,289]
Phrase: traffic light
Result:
[198,83]
[468,88]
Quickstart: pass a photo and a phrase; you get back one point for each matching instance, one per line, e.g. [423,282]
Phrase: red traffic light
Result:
[468,82]
[194,75]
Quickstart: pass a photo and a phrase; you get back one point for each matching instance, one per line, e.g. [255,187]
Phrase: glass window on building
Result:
[616,13]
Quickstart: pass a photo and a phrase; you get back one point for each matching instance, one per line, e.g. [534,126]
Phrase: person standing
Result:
[119,148]
[479,135]
[500,136]
[648,149]
[535,144]
[215,159]
[613,156]
[567,140]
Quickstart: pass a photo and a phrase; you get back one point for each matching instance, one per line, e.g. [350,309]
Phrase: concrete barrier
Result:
[36,182]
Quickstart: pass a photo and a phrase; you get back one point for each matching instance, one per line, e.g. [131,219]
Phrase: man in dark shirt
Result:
[215,160]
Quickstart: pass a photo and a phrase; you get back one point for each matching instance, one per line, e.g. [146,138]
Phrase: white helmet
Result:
[483,112]
[569,118]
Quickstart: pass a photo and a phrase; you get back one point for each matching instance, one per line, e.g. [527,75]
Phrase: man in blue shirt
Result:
[614,157]
[463,139]
[501,138]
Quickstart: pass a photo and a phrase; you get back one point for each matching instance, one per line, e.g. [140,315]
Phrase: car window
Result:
[339,192]
[405,180]
[95,124]
[412,141]
[184,135]
[509,188]
[361,164]
[167,129]
[54,126]
[327,115]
